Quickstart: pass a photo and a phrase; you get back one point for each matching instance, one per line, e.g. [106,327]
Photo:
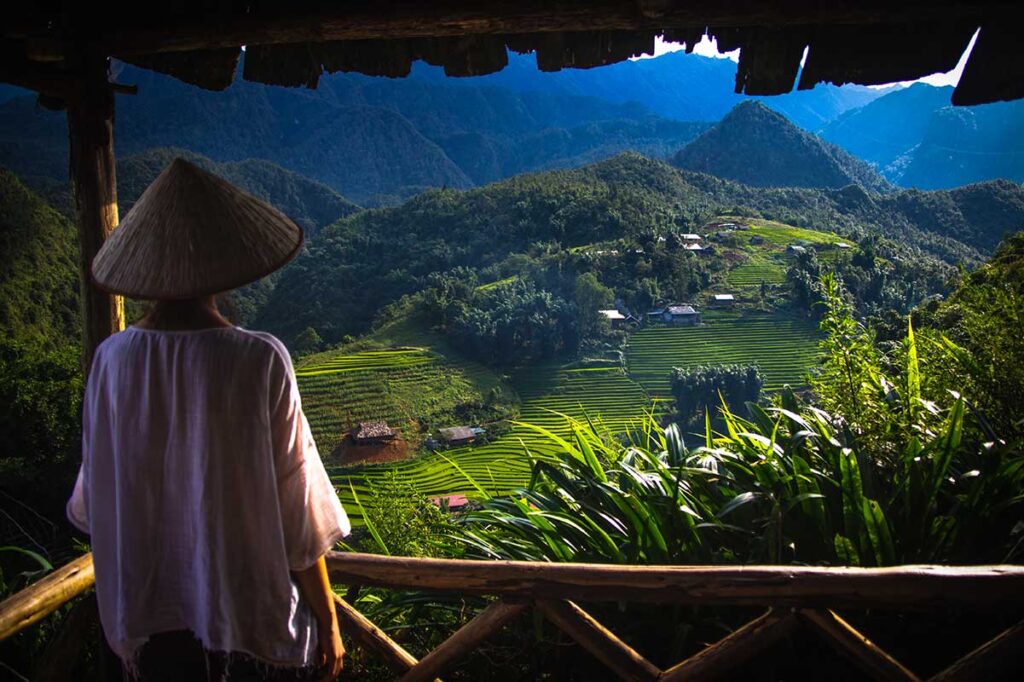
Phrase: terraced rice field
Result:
[752,273]
[398,385]
[604,394]
[784,348]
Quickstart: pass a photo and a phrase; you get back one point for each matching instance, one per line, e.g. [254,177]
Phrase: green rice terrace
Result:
[415,389]
[407,387]
[785,348]
[603,394]
[767,261]
[752,273]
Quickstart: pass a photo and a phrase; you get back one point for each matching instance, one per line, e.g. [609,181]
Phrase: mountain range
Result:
[916,138]
[378,141]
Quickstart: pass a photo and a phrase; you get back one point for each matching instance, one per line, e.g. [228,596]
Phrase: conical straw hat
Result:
[193,234]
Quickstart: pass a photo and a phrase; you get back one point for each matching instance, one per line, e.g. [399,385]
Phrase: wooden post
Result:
[732,651]
[372,638]
[465,640]
[94,184]
[871,658]
[621,658]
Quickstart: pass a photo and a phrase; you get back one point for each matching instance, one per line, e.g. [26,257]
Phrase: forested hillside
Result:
[760,147]
[38,269]
[508,227]
[309,203]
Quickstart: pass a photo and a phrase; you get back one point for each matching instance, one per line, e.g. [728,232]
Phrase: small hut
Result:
[373,433]
[724,299]
[614,317]
[457,435]
[682,315]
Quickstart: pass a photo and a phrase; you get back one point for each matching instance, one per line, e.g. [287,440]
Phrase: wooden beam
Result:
[742,644]
[40,599]
[858,648]
[463,641]
[94,185]
[907,588]
[990,661]
[606,647]
[372,638]
[178,31]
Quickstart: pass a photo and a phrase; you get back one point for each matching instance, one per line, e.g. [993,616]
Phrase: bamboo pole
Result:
[990,660]
[372,638]
[861,650]
[733,650]
[465,639]
[621,658]
[40,599]
[90,116]
[907,588]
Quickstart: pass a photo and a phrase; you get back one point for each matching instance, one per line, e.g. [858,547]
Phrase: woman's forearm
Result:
[316,590]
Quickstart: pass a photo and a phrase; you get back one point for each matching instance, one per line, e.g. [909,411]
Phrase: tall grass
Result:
[889,476]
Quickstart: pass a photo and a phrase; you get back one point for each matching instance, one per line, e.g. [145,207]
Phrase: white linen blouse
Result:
[201,489]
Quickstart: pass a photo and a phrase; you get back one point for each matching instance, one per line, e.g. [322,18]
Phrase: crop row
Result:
[785,350]
[603,395]
[752,274]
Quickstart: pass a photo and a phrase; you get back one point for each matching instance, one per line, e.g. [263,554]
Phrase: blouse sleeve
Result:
[311,514]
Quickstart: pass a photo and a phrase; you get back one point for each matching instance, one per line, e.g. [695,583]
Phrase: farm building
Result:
[451,502]
[795,249]
[614,317]
[757,239]
[724,299]
[696,248]
[373,433]
[842,245]
[457,435]
[690,237]
[681,314]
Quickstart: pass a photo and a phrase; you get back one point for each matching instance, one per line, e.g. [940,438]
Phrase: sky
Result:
[708,47]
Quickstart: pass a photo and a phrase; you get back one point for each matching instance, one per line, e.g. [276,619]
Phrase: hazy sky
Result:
[709,48]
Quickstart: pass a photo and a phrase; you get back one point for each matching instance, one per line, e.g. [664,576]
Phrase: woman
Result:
[207,504]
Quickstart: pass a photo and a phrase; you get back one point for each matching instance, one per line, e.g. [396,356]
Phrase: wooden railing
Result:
[794,598]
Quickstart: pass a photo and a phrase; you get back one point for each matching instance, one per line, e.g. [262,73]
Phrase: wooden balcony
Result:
[793,597]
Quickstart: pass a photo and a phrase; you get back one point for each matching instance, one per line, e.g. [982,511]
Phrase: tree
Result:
[308,341]
[697,389]
[592,296]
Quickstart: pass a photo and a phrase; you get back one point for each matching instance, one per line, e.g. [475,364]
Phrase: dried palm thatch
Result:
[193,234]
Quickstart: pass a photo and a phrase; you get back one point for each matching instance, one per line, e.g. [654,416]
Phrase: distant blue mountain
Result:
[917,139]
[685,87]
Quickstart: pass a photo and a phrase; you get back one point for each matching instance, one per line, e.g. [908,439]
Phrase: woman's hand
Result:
[316,589]
[332,651]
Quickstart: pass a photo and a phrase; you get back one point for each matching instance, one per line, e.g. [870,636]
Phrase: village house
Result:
[842,245]
[450,502]
[756,239]
[681,315]
[724,299]
[696,248]
[457,435]
[373,433]
[614,317]
[795,249]
[689,237]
